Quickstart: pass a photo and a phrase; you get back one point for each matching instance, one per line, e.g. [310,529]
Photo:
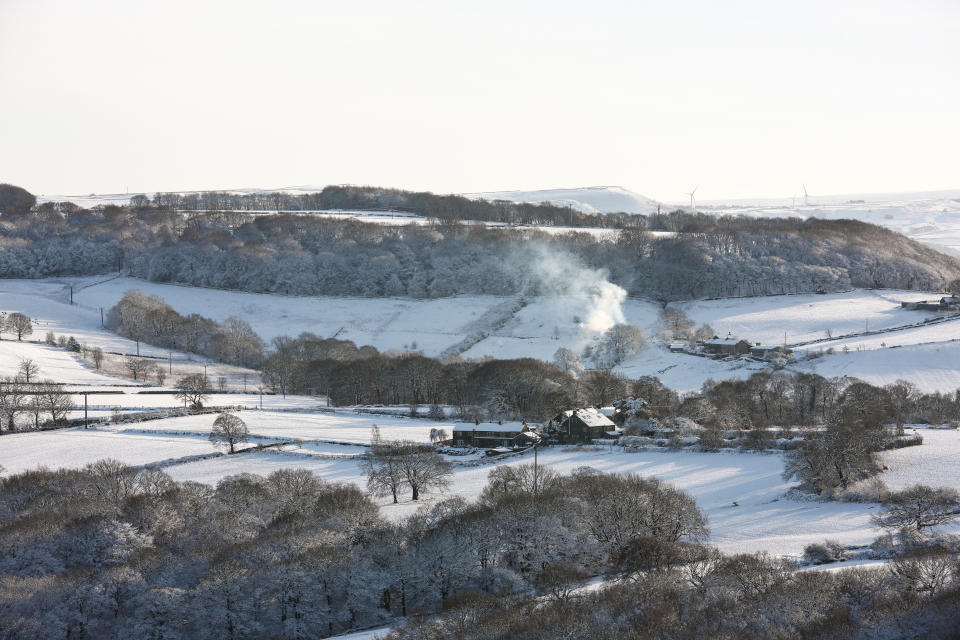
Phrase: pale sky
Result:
[744,99]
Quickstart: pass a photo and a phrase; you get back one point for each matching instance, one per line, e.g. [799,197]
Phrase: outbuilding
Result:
[489,435]
[726,346]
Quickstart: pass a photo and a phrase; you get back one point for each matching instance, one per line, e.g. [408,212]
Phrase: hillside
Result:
[590,200]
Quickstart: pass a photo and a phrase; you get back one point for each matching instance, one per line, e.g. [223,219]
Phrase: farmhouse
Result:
[489,435]
[581,425]
[726,346]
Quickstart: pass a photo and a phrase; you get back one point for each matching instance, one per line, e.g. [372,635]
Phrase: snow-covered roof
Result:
[502,450]
[722,341]
[511,427]
[590,417]
[607,411]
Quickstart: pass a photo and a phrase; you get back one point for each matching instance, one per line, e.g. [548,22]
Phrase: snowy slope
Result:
[72,448]
[935,463]
[932,367]
[341,426]
[543,325]
[806,317]
[585,199]
[932,218]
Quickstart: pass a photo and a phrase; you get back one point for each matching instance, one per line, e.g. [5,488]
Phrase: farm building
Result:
[488,435]
[946,303]
[726,346]
[581,425]
[770,351]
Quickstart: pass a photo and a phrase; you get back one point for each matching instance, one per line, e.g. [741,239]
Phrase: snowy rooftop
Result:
[591,417]
[511,427]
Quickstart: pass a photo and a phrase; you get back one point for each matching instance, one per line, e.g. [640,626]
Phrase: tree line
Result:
[702,256]
[140,317]
[114,551]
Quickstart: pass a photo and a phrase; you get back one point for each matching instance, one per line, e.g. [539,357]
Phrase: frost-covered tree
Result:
[27,369]
[193,389]
[19,324]
[919,508]
[229,429]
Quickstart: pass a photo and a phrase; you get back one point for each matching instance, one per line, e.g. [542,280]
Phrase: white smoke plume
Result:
[558,273]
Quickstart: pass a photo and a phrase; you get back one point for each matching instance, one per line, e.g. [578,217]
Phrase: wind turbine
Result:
[806,197]
[693,200]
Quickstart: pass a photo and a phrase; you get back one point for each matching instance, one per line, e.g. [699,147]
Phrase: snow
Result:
[932,367]
[585,199]
[805,317]
[54,363]
[481,326]
[46,301]
[682,372]
[72,448]
[340,426]
[512,427]
[936,462]
[264,463]
[928,217]
[763,521]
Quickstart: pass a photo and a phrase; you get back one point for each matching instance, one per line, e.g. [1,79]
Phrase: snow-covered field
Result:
[481,326]
[72,448]
[932,367]
[801,318]
[762,519]
[743,494]
[935,463]
[341,426]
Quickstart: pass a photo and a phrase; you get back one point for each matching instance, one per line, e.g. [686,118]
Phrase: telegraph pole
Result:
[85,423]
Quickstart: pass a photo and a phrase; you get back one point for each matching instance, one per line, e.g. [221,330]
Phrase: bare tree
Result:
[111,481]
[96,354]
[35,406]
[137,366]
[19,324]
[568,360]
[419,466]
[919,507]
[229,429]
[422,467]
[384,473]
[620,342]
[56,401]
[159,374]
[11,401]
[27,369]
[193,389]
